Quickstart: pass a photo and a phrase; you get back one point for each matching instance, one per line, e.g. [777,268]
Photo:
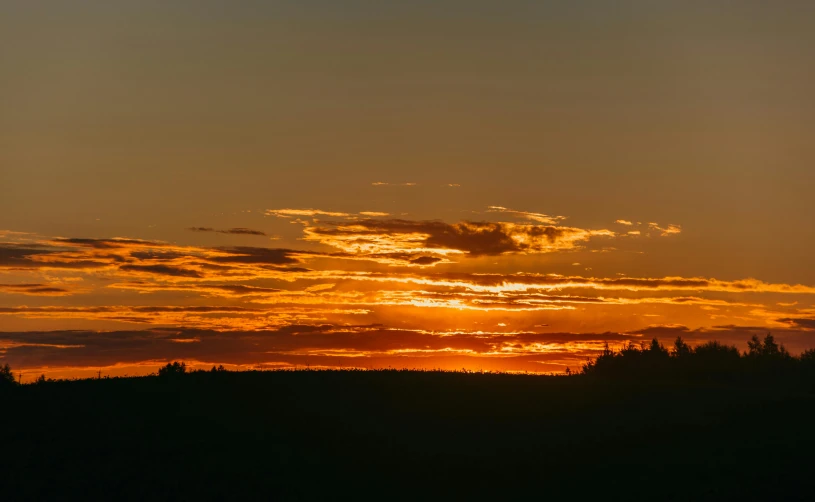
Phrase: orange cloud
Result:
[669,230]
[402,242]
[440,238]
[223,318]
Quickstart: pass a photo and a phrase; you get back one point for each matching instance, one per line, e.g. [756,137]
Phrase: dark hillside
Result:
[389,434]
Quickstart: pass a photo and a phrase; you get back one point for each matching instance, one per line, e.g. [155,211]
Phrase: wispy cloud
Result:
[666,231]
[288,213]
[233,231]
[34,289]
[538,217]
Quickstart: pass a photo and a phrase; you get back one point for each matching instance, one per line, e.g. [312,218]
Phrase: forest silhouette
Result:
[764,361]
[639,422]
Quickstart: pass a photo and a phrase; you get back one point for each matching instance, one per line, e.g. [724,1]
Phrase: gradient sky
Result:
[497,185]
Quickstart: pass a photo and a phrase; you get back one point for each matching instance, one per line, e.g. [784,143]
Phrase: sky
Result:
[502,186]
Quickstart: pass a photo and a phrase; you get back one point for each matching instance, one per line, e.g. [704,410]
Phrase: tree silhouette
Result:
[6,376]
[681,349]
[717,351]
[766,348]
[807,362]
[172,369]
[657,349]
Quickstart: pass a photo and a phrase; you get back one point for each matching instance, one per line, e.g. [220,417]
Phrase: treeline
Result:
[177,369]
[764,359]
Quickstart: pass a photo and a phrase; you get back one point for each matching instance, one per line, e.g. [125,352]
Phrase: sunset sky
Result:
[447,184]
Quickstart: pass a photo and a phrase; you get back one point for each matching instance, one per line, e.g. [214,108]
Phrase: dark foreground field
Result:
[404,435]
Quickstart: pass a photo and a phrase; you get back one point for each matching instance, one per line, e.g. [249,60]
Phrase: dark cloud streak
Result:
[233,231]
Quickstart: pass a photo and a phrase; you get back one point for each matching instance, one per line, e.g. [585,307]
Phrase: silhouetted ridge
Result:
[621,431]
